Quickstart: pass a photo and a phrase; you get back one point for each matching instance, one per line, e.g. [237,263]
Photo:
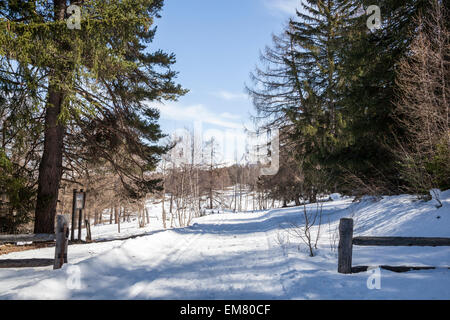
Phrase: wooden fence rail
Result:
[346,243]
[401,241]
[13,238]
[61,236]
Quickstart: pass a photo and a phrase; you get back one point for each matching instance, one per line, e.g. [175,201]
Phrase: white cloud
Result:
[229,134]
[228,115]
[284,6]
[227,95]
[198,112]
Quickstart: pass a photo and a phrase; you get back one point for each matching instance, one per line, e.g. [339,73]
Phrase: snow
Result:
[247,256]
[335,196]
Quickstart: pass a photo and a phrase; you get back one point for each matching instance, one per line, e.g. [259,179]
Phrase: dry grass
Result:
[9,248]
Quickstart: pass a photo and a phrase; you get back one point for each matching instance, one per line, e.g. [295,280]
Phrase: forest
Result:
[359,98]
[323,172]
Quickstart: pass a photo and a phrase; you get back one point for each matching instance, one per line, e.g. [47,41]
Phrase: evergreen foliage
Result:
[330,84]
[95,87]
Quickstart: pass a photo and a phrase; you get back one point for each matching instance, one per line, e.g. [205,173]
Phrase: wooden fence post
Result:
[80,218]
[61,242]
[345,246]
[66,240]
[72,231]
[87,224]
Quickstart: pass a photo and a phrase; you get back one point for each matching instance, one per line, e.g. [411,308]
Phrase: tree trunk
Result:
[162,205]
[148,218]
[210,199]
[50,168]
[95,216]
[118,212]
[240,196]
[313,197]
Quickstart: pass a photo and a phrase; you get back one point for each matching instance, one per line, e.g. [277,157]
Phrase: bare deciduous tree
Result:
[423,103]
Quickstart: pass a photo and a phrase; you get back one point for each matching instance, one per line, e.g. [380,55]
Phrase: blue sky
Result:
[217,44]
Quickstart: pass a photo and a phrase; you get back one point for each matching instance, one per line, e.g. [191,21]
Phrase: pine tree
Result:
[329,82]
[319,35]
[369,62]
[300,85]
[98,82]
[422,106]
[20,135]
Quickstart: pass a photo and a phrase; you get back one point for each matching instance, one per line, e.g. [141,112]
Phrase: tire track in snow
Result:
[192,247]
[207,269]
[225,281]
[181,250]
[285,257]
[177,251]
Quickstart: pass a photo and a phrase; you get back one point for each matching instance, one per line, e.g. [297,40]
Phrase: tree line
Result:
[74,103]
[359,110]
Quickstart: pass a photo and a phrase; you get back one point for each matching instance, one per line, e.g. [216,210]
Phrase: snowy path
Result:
[239,256]
[227,256]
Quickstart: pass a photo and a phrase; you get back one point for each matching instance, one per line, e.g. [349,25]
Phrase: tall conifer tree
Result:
[99,81]
[369,62]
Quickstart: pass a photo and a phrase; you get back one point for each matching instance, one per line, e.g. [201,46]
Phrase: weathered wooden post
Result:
[62,234]
[66,240]
[345,246]
[74,208]
[87,224]
[80,207]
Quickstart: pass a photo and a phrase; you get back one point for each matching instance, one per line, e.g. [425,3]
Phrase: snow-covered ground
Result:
[247,256]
